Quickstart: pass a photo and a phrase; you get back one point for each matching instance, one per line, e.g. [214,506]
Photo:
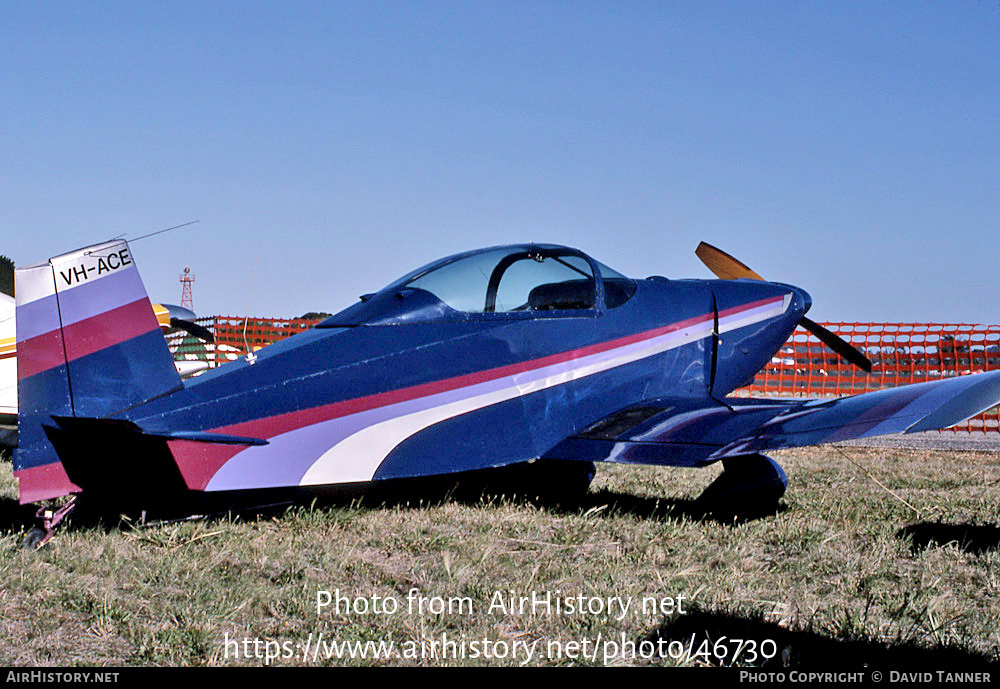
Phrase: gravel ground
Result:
[933,440]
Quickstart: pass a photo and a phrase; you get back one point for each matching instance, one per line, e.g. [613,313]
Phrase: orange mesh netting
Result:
[901,353]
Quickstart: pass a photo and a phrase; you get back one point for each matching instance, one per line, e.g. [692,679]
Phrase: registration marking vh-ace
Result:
[531,353]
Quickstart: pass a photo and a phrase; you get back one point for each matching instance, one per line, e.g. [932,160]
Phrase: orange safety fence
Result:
[260,332]
[233,335]
[901,353]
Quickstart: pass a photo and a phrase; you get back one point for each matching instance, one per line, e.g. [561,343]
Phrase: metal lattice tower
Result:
[187,279]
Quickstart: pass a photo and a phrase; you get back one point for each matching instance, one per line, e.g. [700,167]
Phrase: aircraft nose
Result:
[801,301]
[755,319]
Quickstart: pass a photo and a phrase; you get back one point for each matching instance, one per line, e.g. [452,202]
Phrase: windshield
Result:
[512,279]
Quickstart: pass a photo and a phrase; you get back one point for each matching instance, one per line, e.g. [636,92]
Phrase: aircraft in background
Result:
[533,355]
[8,372]
[171,317]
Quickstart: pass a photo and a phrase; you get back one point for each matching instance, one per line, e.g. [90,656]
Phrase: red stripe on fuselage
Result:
[199,463]
[43,352]
[282,423]
[747,307]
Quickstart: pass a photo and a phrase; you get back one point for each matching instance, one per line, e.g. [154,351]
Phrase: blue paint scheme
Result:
[330,364]
[742,353]
[95,385]
[655,392]
[39,397]
[117,377]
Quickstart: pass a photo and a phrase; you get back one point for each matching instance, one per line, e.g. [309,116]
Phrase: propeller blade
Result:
[728,268]
[722,264]
[201,332]
[841,346]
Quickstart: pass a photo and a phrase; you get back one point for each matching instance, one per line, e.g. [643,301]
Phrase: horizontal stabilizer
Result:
[112,467]
[94,427]
[204,437]
[693,432]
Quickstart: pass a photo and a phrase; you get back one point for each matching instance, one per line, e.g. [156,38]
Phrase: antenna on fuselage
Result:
[250,357]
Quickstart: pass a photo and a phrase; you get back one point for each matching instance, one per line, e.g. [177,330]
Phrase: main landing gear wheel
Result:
[748,484]
[558,481]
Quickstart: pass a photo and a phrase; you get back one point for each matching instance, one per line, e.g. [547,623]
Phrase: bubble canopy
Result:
[523,277]
[520,280]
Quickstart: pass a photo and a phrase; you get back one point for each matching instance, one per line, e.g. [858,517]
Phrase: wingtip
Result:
[974,400]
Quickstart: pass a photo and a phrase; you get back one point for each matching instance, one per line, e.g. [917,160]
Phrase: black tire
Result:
[33,539]
[558,482]
[750,485]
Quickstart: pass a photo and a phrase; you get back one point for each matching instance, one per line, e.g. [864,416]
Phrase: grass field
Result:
[843,574]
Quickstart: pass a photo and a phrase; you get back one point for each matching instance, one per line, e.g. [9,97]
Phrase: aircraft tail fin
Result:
[88,345]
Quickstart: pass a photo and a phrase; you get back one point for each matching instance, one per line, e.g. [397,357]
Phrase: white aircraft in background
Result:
[167,315]
[8,370]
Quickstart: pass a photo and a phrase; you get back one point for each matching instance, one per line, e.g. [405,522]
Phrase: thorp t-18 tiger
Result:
[530,353]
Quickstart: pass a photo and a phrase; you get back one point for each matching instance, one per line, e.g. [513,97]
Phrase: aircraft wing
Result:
[695,432]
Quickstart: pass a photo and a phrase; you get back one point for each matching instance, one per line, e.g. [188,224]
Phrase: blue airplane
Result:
[530,354]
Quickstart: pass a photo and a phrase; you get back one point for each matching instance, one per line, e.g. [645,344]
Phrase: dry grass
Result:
[844,571]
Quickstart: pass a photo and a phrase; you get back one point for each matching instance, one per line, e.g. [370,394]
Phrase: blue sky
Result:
[849,148]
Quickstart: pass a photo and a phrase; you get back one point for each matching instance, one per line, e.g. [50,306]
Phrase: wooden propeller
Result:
[728,268]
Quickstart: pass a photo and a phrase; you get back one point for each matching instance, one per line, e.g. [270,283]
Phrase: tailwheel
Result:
[48,520]
[35,538]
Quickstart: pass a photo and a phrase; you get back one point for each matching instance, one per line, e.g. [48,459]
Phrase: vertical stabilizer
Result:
[88,345]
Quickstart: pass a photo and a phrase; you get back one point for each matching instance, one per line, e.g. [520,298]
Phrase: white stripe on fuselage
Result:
[357,457]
